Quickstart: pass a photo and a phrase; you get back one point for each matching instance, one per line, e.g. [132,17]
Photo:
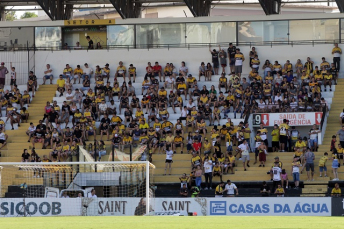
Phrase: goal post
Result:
[92,188]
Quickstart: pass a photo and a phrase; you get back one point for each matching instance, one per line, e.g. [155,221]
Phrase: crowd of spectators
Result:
[275,88]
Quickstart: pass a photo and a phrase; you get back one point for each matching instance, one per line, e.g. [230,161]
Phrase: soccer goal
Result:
[76,188]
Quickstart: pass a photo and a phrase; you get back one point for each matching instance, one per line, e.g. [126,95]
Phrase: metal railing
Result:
[170,46]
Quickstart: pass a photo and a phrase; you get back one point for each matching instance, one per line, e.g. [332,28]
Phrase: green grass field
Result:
[151,222]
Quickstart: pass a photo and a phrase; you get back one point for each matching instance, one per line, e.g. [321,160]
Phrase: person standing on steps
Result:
[239,59]
[215,60]
[284,133]
[335,166]
[313,136]
[294,135]
[276,172]
[208,173]
[336,52]
[223,59]
[169,161]
[309,160]
[3,72]
[198,175]
[295,171]
[245,153]
[341,136]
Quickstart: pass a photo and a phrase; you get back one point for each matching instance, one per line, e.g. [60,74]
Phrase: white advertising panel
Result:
[295,119]
[181,205]
[113,206]
[283,206]
[274,206]
[13,207]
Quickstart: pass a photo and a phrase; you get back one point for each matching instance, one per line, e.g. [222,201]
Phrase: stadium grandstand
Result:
[243,105]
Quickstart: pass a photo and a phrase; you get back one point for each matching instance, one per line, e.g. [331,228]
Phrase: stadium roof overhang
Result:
[63,9]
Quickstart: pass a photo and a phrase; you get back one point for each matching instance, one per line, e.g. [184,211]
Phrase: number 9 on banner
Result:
[257,120]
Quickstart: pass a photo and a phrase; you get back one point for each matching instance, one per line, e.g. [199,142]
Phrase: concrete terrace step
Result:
[314,190]
[312,195]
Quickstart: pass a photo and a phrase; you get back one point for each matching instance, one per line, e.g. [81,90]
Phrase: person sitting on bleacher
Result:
[155,85]
[163,113]
[15,99]
[336,191]
[14,117]
[31,87]
[90,130]
[87,72]
[135,102]
[143,126]
[61,85]
[195,160]
[162,98]
[105,72]
[116,91]
[128,116]
[121,71]
[195,93]
[86,103]
[136,133]
[178,142]
[168,72]
[24,114]
[191,82]
[48,74]
[68,135]
[97,73]
[25,99]
[78,72]
[31,131]
[99,84]
[145,84]
[107,89]
[328,79]
[77,97]
[54,155]
[78,134]
[102,108]
[55,139]
[126,141]
[170,81]
[105,124]
[143,139]
[67,72]
[76,116]
[65,151]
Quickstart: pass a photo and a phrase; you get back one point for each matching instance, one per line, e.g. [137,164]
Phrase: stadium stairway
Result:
[333,125]
[18,141]
[333,121]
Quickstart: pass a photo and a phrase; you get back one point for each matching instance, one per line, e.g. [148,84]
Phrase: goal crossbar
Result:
[146,166]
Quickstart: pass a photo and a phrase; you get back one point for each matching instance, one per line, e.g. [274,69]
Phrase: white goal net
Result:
[76,188]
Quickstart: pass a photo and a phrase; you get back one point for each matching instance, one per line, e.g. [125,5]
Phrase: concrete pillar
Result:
[2,13]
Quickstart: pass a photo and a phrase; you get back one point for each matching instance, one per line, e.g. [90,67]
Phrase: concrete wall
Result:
[193,57]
